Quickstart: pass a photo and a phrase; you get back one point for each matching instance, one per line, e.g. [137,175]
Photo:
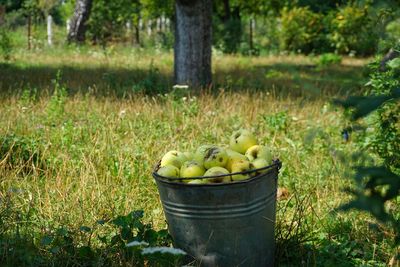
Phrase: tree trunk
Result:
[392,54]
[29,31]
[49,30]
[137,35]
[2,15]
[192,57]
[78,21]
[227,9]
[251,35]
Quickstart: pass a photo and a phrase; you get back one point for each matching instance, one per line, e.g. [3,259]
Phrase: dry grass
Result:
[99,150]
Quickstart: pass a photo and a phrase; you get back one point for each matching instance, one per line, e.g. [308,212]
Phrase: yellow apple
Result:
[259,163]
[215,157]
[259,151]
[232,157]
[168,171]
[240,166]
[174,158]
[191,168]
[201,152]
[188,155]
[215,171]
[242,140]
[198,181]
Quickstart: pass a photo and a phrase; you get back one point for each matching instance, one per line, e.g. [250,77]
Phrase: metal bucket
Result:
[225,224]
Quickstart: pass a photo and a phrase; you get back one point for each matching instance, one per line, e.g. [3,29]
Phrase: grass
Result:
[123,73]
[83,146]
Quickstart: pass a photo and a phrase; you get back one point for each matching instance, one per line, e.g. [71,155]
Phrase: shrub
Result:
[391,37]
[378,183]
[352,30]
[301,30]
[384,124]
[227,35]
[123,241]
[6,46]
[329,59]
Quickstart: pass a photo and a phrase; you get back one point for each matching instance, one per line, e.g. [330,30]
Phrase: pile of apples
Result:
[244,154]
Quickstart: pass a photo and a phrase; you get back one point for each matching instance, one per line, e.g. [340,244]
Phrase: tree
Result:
[192,51]
[78,21]
[31,10]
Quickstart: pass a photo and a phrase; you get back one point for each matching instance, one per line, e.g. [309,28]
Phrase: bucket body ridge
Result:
[230,224]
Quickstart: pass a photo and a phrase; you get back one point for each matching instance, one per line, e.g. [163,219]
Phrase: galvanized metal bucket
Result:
[223,224]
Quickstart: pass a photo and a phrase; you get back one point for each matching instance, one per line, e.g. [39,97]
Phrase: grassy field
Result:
[81,129]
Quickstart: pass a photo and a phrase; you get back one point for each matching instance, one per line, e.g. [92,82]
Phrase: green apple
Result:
[198,181]
[240,166]
[188,155]
[215,157]
[201,152]
[242,140]
[259,151]
[232,157]
[174,158]
[215,171]
[260,163]
[191,168]
[168,171]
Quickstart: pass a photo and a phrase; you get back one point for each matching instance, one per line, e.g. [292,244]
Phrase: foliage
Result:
[352,30]
[107,22]
[6,46]
[300,29]
[327,59]
[379,184]
[393,30]
[135,242]
[228,35]
[384,132]
[66,10]
[107,19]
[305,26]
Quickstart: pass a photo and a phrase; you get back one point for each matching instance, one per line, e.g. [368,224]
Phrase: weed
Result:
[55,109]
[21,153]
[277,122]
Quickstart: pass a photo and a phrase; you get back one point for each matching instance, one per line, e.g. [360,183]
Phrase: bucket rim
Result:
[276,165]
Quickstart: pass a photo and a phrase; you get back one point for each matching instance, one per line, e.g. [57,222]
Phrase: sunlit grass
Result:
[99,150]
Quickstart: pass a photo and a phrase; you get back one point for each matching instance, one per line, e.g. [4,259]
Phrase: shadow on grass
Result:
[101,81]
[27,240]
[293,80]
[328,253]
[305,239]
[23,251]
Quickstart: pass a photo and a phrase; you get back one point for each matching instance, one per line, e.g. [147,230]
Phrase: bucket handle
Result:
[276,164]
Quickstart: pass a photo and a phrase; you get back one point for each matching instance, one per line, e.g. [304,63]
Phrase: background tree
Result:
[78,22]
[192,64]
